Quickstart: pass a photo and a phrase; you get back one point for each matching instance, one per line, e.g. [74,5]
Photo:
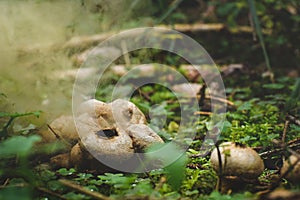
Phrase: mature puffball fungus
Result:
[294,175]
[239,164]
[113,131]
[64,128]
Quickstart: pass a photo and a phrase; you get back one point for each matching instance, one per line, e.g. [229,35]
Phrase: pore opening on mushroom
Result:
[108,133]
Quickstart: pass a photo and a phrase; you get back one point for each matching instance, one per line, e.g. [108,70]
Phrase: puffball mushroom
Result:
[294,175]
[63,127]
[239,164]
[142,136]
[113,131]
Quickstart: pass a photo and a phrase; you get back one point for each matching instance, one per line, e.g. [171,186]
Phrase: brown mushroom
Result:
[292,164]
[240,164]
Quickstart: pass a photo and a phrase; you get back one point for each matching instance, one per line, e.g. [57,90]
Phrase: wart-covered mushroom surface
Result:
[110,131]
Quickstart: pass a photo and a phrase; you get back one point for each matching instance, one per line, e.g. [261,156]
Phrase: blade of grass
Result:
[260,35]
[294,98]
[173,6]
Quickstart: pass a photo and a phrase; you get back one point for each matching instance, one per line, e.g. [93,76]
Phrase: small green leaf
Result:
[173,158]
[66,172]
[18,145]
[274,86]
[245,106]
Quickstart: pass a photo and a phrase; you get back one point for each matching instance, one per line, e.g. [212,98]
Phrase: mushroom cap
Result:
[119,113]
[142,136]
[116,146]
[64,127]
[237,160]
[126,113]
[294,175]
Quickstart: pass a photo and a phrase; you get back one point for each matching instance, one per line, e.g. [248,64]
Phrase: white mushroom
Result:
[239,164]
[113,131]
[64,127]
[126,113]
[142,136]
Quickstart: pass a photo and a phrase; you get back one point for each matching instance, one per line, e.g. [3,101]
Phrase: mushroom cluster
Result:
[239,165]
[112,131]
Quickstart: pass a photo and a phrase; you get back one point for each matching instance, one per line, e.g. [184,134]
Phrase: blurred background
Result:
[34,34]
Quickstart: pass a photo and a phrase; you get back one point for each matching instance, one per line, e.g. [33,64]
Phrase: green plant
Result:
[260,35]
[11,117]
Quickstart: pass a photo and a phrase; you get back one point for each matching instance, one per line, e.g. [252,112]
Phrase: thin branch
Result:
[81,41]
[220,100]
[54,194]
[291,167]
[294,119]
[54,133]
[286,124]
[6,182]
[295,144]
[59,137]
[84,42]
[203,113]
[220,171]
[83,190]
[125,53]
[41,189]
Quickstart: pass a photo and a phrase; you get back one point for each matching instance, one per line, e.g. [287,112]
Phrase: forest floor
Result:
[237,100]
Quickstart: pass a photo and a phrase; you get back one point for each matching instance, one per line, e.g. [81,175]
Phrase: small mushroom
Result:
[290,164]
[240,164]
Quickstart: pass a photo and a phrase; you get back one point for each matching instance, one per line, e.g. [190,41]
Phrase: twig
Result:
[161,182]
[41,189]
[6,182]
[202,95]
[80,41]
[125,54]
[83,190]
[54,133]
[84,42]
[54,194]
[18,185]
[220,171]
[286,124]
[220,100]
[294,144]
[59,137]
[291,167]
[142,94]
[294,119]
[284,146]
[203,113]
[4,131]
[200,27]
